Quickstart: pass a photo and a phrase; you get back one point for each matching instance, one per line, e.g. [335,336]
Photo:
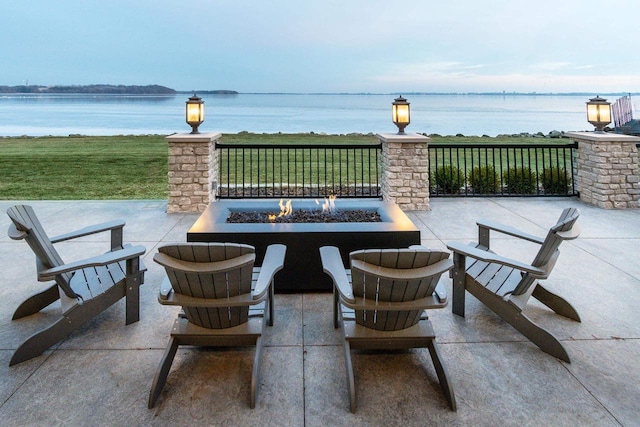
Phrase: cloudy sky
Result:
[377,46]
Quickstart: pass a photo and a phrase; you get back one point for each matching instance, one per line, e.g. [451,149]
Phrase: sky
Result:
[325,46]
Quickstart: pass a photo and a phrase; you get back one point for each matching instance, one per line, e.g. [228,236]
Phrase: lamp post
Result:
[400,113]
[599,113]
[195,112]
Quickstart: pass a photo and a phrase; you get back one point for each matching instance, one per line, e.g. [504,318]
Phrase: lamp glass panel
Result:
[402,113]
[592,112]
[605,113]
[195,113]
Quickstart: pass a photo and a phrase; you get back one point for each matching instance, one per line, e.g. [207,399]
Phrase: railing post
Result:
[192,171]
[405,170]
[607,166]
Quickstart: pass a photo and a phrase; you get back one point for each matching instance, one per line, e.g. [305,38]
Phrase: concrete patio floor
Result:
[101,374]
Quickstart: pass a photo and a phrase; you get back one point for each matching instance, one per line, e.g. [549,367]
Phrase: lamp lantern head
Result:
[599,113]
[400,113]
[195,112]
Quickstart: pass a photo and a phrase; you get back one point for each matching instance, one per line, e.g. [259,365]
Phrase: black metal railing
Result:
[502,169]
[298,170]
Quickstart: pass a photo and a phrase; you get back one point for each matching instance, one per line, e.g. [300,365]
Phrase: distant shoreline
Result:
[100,89]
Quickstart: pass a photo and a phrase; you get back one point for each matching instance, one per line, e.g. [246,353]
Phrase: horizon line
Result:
[415,93]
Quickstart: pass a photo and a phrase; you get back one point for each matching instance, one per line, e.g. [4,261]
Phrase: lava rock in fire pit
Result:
[305,216]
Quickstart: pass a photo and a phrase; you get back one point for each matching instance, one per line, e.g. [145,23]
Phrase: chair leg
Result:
[350,377]
[458,274]
[270,300]
[37,302]
[543,339]
[555,303]
[255,374]
[132,291]
[163,371]
[447,388]
[37,343]
[513,315]
[336,301]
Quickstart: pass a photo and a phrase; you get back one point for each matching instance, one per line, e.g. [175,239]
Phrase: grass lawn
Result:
[83,168]
[128,167]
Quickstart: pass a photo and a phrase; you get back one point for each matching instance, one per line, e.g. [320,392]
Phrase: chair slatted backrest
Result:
[25,220]
[548,253]
[214,285]
[381,289]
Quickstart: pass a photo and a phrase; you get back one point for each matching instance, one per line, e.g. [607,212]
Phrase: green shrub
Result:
[484,180]
[555,180]
[448,179]
[519,180]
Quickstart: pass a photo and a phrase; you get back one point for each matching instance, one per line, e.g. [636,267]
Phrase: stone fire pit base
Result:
[302,270]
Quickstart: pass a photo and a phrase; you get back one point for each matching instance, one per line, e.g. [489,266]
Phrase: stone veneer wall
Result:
[405,170]
[192,166]
[607,169]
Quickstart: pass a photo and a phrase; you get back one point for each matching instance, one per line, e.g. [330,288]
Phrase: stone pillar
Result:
[607,169]
[192,171]
[405,170]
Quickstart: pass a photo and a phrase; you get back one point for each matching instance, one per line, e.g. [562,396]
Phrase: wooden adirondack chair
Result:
[225,299]
[85,288]
[505,285]
[381,303]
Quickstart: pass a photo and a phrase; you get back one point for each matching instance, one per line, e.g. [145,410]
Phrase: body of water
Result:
[61,115]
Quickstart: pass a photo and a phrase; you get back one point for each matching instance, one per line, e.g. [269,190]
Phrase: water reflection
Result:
[90,114]
[84,98]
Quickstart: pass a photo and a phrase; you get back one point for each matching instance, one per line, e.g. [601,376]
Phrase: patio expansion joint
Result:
[175,224]
[578,247]
[586,388]
[45,357]
[304,361]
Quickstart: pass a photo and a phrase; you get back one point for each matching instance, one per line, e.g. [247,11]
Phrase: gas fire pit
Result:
[302,268]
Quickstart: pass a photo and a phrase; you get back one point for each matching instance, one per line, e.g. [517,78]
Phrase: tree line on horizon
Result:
[92,89]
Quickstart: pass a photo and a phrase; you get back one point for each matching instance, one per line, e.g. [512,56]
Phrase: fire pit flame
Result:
[285,208]
[329,205]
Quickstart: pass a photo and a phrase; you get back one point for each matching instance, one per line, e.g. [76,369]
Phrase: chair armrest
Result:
[569,234]
[16,234]
[128,252]
[441,293]
[92,229]
[272,263]
[482,255]
[511,231]
[165,290]
[204,267]
[332,265]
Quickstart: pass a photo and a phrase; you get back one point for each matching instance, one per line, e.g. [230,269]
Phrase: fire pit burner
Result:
[302,267]
[304,216]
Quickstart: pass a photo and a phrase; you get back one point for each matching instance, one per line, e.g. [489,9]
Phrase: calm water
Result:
[38,115]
